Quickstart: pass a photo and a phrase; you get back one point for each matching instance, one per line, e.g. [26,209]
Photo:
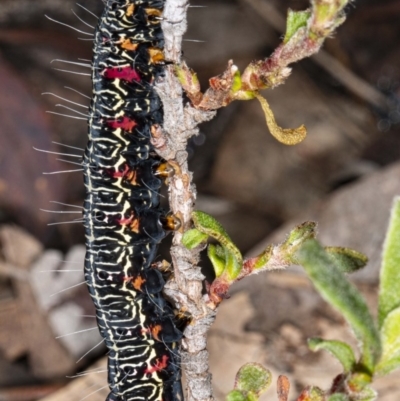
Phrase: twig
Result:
[180,123]
[303,38]
[351,81]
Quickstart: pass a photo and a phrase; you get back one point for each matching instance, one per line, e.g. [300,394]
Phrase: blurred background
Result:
[344,175]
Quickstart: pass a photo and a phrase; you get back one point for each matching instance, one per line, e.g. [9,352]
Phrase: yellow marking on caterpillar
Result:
[131,177]
[128,45]
[130,10]
[155,14]
[134,226]
[156,55]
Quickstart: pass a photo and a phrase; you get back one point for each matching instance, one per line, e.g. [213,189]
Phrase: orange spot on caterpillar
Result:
[134,226]
[171,222]
[155,330]
[130,10]
[131,177]
[160,365]
[127,44]
[156,55]
[158,139]
[126,123]
[153,12]
[153,15]
[156,131]
[138,282]
[165,170]
[127,73]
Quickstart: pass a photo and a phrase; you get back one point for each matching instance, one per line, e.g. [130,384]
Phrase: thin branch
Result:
[305,33]
[268,12]
[180,123]
[304,37]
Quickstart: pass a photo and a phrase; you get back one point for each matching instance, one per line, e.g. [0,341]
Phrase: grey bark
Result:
[185,290]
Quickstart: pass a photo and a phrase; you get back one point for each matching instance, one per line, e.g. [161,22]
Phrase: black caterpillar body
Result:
[121,210]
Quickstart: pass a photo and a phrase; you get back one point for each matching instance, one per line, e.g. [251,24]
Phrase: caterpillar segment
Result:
[122,217]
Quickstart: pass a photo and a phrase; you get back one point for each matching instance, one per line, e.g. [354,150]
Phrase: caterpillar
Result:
[122,217]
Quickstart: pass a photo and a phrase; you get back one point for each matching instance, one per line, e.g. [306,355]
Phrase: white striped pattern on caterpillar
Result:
[122,216]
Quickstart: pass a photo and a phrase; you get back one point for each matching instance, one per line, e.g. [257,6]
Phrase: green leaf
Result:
[193,238]
[232,265]
[347,260]
[312,394]
[208,225]
[251,396]
[358,381]
[338,397]
[217,257]
[299,235]
[335,289]
[295,21]
[390,337]
[367,394]
[389,294]
[340,350]
[261,260]
[187,78]
[296,239]
[237,82]
[236,395]
[253,378]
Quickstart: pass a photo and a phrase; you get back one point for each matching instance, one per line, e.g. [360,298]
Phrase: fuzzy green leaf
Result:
[389,294]
[237,82]
[261,260]
[208,225]
[390,337]
[193,238]
[340,350]
[358,381]
[367,394]
[335,289]
[295,20]
[296,239]
[236,395]
[232,265]
[216,255]
[253,378]
[312,394]
[347,260]
[338,397]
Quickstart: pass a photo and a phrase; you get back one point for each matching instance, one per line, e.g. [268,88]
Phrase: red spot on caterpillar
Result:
[125,123]
[160,365]
[125,222]
[118,174]
[145,331]
[129,175]
[125,73]
[132,222]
